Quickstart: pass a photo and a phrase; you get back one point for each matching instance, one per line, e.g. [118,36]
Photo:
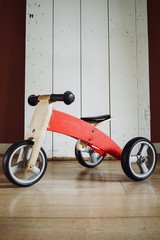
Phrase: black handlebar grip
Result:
[68,97]
[33,100]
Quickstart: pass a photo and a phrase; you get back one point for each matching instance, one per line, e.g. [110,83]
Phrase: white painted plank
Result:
[95,70]
[123,70]
[38,57]
[143,68]
[66,65]
[95,84]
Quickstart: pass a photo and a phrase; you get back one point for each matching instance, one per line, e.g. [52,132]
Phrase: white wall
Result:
[98,49]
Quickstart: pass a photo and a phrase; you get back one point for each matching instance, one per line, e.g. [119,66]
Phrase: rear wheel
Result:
[88,157]
[138,158]
[15,160]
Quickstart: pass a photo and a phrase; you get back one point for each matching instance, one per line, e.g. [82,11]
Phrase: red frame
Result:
[74,127]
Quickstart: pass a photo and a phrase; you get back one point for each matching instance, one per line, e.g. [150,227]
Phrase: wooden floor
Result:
[72,202]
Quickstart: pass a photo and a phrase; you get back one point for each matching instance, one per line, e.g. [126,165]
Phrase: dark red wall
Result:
[12,69]
[154,66]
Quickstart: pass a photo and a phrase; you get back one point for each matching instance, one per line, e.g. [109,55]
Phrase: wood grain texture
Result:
[72,202]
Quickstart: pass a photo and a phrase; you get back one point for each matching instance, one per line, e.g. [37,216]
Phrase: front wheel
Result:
[15,161]
[138,158]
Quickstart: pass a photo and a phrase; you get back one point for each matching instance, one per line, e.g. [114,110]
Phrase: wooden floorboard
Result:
[72,202]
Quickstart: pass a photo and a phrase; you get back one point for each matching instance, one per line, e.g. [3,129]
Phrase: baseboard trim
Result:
[157,146]
[4,147]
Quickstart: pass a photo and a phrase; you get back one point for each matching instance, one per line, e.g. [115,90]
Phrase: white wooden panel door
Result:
[98,50]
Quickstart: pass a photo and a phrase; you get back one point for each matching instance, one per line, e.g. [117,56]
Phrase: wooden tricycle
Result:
[25,162]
